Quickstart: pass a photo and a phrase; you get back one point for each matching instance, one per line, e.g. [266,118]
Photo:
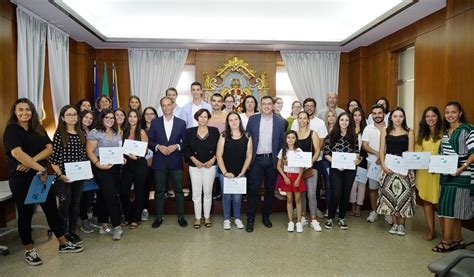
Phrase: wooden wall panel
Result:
[460,61]
[8,72]
[120,58]
[430,70]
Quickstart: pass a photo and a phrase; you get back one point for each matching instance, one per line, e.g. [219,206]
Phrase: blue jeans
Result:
[236,200]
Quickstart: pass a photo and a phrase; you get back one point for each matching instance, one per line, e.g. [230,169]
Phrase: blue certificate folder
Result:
[38,191]
[90,185]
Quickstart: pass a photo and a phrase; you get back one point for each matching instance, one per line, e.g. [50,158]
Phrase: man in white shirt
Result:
[172,93]
[371,144]
[188,110]
[317,125]
[331,103]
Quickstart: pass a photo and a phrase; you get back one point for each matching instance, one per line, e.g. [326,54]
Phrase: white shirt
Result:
[316,125]
[371,134]
[244,119]
[264,145]
[168,126]
[289,169]
[194,109]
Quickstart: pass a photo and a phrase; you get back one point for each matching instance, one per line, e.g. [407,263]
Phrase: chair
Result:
[5,194]
[457,263]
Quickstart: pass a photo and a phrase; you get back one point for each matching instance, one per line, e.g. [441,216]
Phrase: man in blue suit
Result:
[267,131]
[188,110]
[166,135]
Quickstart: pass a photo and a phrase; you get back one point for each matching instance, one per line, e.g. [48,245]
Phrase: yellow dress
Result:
[428,183]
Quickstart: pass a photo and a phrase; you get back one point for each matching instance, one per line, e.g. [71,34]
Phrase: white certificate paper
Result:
[78,171]
[111,155]
[361,175]
[300,159]
[416,160]
[135,147]
[395,163]
[235,185]
[343,160]
[374,171]
[443,164]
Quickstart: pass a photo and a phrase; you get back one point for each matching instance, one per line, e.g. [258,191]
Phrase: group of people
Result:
[220,144]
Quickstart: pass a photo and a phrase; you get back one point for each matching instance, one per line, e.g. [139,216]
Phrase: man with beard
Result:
[371,144]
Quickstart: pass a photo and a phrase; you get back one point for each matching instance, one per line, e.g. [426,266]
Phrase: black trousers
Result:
[341,182]
[133,172]
[149,183]
[107,200]
[86,204]
[19,185]
[261,169]
[69,195]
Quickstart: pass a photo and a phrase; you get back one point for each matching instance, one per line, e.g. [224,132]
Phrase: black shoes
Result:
[74,238]
[266,221]
[249,227]
[157,223]
[182,222]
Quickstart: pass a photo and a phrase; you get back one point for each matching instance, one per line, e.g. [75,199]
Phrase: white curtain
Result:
[153,71]
[31,33]
[58,58]
[312,73]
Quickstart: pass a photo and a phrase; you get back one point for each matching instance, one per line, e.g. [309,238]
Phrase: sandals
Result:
[443,247]
[133,225]
[197,226]
[208,224]
[125,224]
[458,244]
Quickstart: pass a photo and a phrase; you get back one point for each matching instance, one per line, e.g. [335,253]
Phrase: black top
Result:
[202,149]
[341,145]
[307,145]
[75,151]
[235,153]
[31,143]
[396,145]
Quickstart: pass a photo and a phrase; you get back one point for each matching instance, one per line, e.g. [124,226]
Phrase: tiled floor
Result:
[363,250]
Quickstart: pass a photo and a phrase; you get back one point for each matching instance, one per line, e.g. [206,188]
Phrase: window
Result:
[406,83]
[188,76]
[284,89]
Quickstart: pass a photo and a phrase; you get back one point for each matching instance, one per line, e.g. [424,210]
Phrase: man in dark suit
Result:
[166,135]
[267,131]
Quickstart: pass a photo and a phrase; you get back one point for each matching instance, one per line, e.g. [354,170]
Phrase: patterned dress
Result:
[455,201]
[397,192]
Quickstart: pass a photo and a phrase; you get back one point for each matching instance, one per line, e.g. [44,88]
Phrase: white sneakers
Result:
[315,225]
[372,217]
[304,221]
[238,223]
[394,229]
[299,227]
[226,224]
[291,227]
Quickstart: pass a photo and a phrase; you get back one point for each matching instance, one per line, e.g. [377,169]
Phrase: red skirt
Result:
[290,188]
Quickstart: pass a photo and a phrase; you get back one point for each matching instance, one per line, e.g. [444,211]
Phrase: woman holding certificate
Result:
[200,145]
[397,193]
[234,154]
[342,138]
[308,141]
[69,146]
[107,175]
[428,140]
[454,201]
[28,148]
[133,172]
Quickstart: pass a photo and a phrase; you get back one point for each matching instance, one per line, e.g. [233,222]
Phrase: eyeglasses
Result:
[71,114]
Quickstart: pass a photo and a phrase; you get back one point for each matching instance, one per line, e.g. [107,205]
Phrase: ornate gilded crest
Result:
[236,77]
